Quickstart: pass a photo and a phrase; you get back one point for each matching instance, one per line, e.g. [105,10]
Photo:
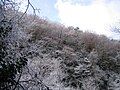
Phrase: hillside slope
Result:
[65,58]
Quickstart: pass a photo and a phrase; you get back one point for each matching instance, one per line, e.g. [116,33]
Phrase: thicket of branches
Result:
[11,61]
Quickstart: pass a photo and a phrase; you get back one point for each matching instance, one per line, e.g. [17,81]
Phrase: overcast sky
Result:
[91,15]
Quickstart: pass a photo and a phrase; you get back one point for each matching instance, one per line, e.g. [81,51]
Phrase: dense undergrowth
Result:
[87,61]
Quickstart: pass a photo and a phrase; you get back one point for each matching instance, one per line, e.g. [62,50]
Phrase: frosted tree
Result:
[12,59]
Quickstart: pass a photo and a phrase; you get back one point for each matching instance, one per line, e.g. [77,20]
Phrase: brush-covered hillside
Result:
[37,54]
[65,58]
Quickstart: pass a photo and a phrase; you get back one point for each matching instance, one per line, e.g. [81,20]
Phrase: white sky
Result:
[96,16]
[91,15]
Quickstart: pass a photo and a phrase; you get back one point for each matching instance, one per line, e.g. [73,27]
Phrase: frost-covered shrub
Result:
[11,62]
[89,40]
[107,52]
